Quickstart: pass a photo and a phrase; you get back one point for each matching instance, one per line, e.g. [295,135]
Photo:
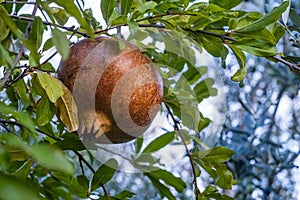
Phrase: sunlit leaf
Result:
[267,19]
[241,58]
[227,3]
[51,85]
[73,10]
[61,43]
[67,109]
[159,142]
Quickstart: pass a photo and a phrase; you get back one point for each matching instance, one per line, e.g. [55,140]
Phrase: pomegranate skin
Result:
[117,92]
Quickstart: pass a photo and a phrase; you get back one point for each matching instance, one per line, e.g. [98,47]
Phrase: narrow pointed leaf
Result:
[159,142]
[104,173]
[267,19]
[107,7]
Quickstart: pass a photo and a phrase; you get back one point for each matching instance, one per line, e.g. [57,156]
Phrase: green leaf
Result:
[139,144]
[24,170]
[12,188]
[60,15]
[73,10]
[125,6]
[51,158]
[4,55]
[168,178]
[227,4]
[147,6]
[67,109]
[44,112]
[107,7]
[36,33]
[218,154]
[159,142]
[104,173]
[213,45]
[48,44]
[266,20]
[22,91]
[295,17]
[61,43]
[204,89]
[70,141]
[241,58]
[83,181]
[21,117]
[125,195]
[162,189]
[4,30]
[10,23]
[51,85]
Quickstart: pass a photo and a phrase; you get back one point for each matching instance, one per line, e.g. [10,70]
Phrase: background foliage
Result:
[42,159]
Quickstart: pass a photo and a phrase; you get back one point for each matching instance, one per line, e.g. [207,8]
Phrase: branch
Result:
[21,51]
[176,129]
[292,66]
[71,29]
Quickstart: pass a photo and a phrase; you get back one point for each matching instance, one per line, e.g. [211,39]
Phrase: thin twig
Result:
[71,29]
[176,128]
[292,66]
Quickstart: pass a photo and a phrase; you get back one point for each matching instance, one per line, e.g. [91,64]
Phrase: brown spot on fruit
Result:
[117,92]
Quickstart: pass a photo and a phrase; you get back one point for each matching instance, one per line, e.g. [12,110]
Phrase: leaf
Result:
[162,189]
[213,45]
[4,54]
[12,188]
[168,178]
[73,10]
[241,58]
[44,112]
[227,4]
[285,14]
[51,158]
[67,109]
[4,30]
[204,89]
[21,117]
[61,43]
[60,15]
[104,173]
[107,7]
[217,154]
[83,181]
[266,20]
[24,170]
[70,141]
[159,142]
[51,85]
[147,6]
[125,194]
[295,17]
[125,6]
[36,33]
